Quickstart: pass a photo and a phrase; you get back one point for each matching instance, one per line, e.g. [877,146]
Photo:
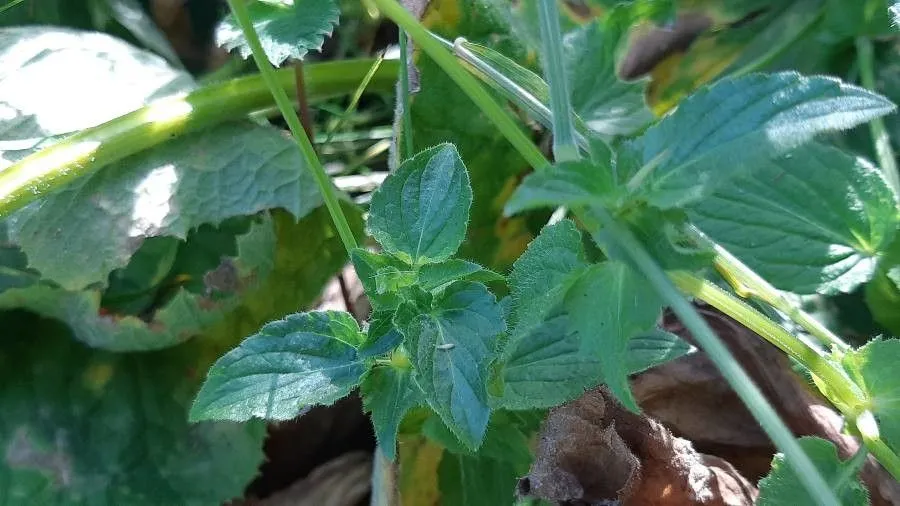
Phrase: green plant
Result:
[646,212]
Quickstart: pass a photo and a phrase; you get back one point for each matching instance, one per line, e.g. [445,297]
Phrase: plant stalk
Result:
[884,152]
[91,149]
[868,429]
[329,195]
[404,100]
[564,145]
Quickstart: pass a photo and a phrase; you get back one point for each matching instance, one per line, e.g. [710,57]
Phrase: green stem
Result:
[731,370]
[89,150]
[404,99]
[839,384]
[564,145]
[883,150]
[868,430]
[747,283]
[329,195]
[483,100]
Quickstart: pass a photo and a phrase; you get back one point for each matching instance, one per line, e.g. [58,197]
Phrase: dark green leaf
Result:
[83,427]
[546,367]
[607,306]
[285,29]
[507,438]
[476,481]
[646,351]
[542,274]
[452,348]
[367,265]
[388,393]
[305,359]
[736,124]
[419,213]
[874,368]
[381,336]
[570,184]
[815,220]
[432,276]
[780,487]
[861,18]
[882,292]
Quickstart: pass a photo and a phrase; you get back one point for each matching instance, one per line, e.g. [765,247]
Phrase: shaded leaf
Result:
[736,124]
[873,368]
[608,305]
[388,393]
[475,481]
[304,359]
[367,265]
[779,487]
[646,351]
[381,336]
[420,212]
[569,184]
[285,29]
[541,276]
[451,348]
[88,427]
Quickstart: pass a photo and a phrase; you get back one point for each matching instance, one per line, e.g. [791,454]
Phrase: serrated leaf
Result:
[815,220]
[546,367]
[607,306]
[451,349]
[733,126]
[179,317]
[84,427]
[388,393]
[432,276]
[420,212]
[607,104]
[646,351]
[570,184]
[238,168]
[779,487]
[302,360]
[873,367]
[543,273]
[285,29]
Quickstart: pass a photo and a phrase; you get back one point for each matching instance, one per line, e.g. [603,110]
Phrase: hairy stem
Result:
[329,195]
[883,150]
[91,149]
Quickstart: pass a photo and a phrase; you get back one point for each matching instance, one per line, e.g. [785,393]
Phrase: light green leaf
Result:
[815,220]
[779,487]
[733,126]
[570,184]
[432,276]
[302,360]
[84,427]
[646,351]
[388,393]
[236,266]
[420,212]
[286,29]
[874,368]
[451,350]
[545,367]
[541,276]
[367,265]
[607,104]
[76,237]
[607,306]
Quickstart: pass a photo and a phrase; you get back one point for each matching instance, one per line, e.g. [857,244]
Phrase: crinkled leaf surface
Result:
[780,487]
[388,394]
[302,360]
[541,276]
[286,29]
[874,368]
[736,124]
[451,350]
[815,220]
[233,272]
[608,305]
[545,367]
[571,184]
[88,427]
[76,237]
[607,104]
[420,212]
